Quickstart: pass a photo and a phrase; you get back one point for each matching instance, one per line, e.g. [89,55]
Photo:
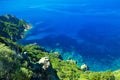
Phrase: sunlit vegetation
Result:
[20,62]
[12,28]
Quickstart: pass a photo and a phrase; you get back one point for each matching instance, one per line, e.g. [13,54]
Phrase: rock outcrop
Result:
[43,70]
[45,63]
[84,67]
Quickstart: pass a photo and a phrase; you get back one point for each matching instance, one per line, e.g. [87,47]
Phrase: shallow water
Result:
[87,30]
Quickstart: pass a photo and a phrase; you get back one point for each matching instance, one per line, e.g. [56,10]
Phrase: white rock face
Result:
[84,67]
[45,61]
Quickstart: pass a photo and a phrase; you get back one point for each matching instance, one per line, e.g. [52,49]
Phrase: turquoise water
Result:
[87,31]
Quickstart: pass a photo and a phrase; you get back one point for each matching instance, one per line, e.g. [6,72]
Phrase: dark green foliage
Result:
[13,45]
[10,65]
[12,28]
[34,51]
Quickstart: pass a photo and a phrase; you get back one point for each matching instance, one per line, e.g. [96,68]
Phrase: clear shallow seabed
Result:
[87,31]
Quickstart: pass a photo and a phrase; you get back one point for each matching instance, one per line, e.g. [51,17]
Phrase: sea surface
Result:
[87,31]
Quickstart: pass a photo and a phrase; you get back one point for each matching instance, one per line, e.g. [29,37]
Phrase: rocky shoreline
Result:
[33,62]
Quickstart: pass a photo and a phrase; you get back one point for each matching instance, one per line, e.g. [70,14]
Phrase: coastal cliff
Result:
[33,62]
[12,27]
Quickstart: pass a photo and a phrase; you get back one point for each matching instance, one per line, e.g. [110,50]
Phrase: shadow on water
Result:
[97,40]
[84,52]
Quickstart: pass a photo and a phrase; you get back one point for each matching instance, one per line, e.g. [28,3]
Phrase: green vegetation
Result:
[10,65]
[12,28]
[20,62]
[70,71]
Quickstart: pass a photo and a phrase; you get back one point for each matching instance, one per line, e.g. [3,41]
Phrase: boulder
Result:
[43,70]
[84,67]
[45,62]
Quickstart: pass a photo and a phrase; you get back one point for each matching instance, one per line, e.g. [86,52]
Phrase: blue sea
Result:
[87,31]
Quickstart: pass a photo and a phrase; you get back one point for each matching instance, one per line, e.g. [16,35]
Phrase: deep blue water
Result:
[87,31]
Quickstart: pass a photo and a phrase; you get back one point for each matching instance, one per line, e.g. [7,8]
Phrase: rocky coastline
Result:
[33,62]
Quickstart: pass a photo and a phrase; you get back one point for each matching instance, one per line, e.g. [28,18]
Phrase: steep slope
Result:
[12,27]
[33,62]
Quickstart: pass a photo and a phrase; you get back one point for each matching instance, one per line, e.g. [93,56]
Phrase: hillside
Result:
[33,62]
